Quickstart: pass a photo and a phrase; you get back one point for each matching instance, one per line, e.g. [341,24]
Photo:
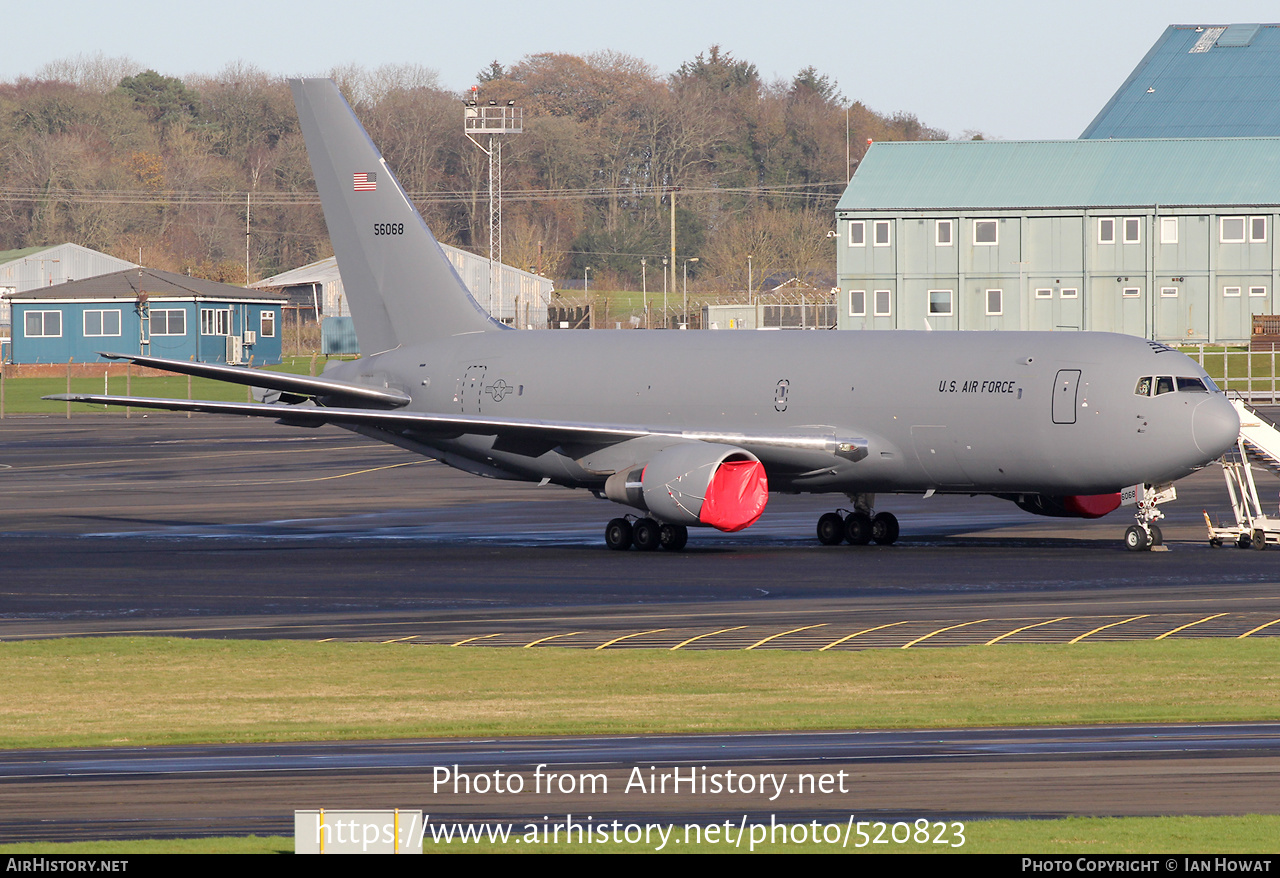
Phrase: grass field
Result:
[148,691]
[23,395]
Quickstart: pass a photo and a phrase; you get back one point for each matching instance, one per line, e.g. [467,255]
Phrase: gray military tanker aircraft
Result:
[696,428]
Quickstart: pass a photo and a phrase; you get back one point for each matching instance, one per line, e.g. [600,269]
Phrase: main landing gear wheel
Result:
[673,537]
[646,534]
[831,529]
[617,534]
[884,529]
[857,528]
[1135,539]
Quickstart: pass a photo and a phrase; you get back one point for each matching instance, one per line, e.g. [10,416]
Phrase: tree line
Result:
[162,170]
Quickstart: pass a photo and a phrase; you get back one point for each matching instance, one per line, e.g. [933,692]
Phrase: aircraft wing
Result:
[533,434]
[296,386]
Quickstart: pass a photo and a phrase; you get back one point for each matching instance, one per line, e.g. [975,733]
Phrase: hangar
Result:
[149,312]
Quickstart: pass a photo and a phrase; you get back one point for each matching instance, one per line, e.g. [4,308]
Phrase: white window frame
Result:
[950,303]
[44,324]
[215,322]
[265,319]
[999,309]
[1231,292]
[1131,292]
[1263,238]
[888,303]
[102,329]
[876,225]
[1044,293]
[995,228]
[937,233]
[1069,293]
[1222,229]
[861,226]
[1107,223]
[860,298]
[1168,292]
[1256,292]
[1168,230]
[167,320]
[1136,223]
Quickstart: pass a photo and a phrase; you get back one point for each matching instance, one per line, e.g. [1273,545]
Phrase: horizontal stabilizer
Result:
[282,381]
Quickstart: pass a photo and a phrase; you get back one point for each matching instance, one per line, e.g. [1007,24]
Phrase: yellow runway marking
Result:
[863,631]
[785,633]
[1105,627]
[481,637]
[1188,625]
[709,634]
[1024,628]
[400,639]
[552,637]
[1259,628]
[626,636]
[940,630]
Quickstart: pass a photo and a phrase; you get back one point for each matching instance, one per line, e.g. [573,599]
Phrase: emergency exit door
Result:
[1064,396]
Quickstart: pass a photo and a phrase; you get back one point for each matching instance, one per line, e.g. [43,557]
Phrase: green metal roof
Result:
[1200,81]
[12,255]
[997,174]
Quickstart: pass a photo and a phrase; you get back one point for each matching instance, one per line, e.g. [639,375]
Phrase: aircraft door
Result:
[1064,396]
[472,390]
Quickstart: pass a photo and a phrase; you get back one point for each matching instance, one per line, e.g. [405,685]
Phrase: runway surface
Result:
[224,527]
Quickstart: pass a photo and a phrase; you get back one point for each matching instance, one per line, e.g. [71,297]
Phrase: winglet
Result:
[400,285]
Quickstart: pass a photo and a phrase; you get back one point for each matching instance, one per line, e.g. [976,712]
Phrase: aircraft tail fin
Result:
[399,284]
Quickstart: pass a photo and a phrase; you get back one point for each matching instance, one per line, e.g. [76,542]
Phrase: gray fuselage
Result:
[956,412]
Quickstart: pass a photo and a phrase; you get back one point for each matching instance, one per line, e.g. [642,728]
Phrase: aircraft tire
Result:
[1135,539]
[646,535]
[673,537]
[1260,539]
[617,534]
[884,529]
[857,528]
[831,529]
[1157,538]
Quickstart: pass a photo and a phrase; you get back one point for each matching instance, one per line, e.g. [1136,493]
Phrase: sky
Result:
[1007,68]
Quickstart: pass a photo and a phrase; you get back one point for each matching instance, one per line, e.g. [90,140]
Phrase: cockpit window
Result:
[1164,384]
[1143,388]
[1194,385]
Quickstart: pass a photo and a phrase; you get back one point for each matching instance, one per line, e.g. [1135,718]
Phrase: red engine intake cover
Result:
[737,495]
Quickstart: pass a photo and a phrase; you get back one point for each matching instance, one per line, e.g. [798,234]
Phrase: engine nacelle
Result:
[699,484]
[1068,506]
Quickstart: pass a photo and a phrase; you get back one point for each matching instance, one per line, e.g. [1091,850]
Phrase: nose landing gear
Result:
[1146,535]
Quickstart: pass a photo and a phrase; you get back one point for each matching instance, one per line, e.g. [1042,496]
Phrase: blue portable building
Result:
[150,312]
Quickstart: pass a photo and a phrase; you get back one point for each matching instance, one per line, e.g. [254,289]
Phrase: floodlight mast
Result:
[493,119]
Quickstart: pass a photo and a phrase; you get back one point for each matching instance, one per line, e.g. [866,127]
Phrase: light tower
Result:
[493,120]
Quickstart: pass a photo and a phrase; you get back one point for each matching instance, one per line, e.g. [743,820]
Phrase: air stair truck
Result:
[1260,441]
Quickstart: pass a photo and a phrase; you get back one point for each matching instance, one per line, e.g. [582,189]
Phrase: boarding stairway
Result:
[1259,436]
[1259,442]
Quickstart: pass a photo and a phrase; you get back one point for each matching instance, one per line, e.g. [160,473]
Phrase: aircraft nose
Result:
[1215,426]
